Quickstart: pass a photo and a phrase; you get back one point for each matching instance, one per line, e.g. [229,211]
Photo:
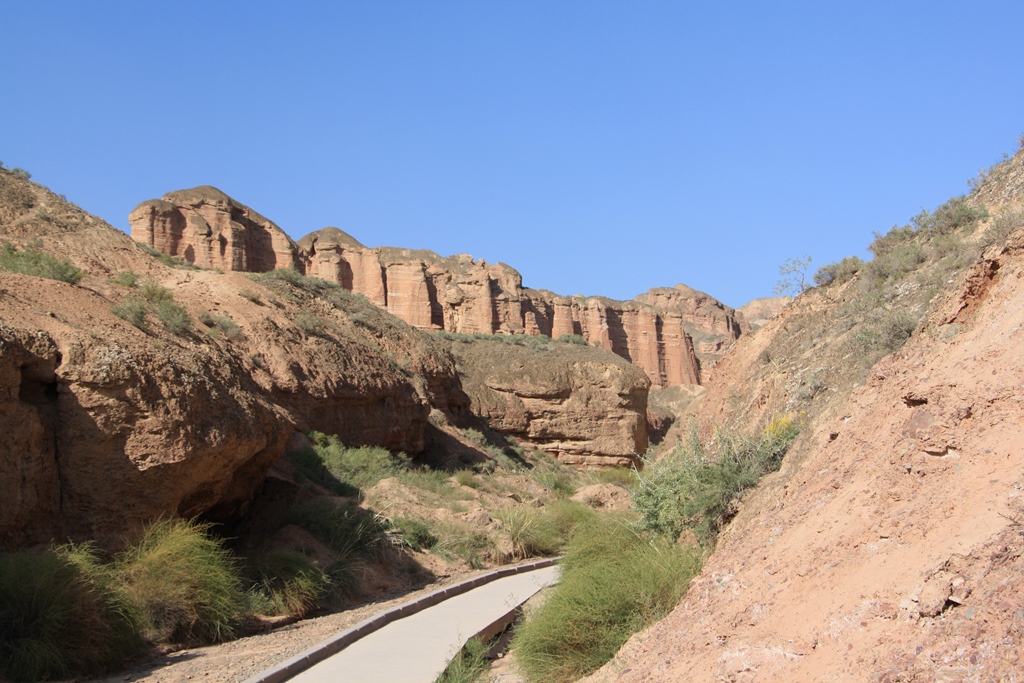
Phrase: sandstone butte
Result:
[673,334]
[106,425]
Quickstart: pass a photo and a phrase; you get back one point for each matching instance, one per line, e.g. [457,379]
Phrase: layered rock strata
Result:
[656,331]
[113,413]
[582,405]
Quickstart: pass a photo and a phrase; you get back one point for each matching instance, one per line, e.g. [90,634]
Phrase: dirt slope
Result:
[888,548]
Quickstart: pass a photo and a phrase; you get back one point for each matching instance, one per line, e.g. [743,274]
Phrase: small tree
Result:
[794,276]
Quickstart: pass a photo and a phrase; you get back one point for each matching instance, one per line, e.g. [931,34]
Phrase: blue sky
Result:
[598,147]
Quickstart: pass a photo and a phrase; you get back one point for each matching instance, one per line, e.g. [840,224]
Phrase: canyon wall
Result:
[671,333]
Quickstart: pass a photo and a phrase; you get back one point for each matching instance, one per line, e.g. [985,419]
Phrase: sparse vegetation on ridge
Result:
[152,298]
[294,277]
[33,261]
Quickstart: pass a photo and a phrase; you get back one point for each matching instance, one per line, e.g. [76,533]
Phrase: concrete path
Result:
[418,647]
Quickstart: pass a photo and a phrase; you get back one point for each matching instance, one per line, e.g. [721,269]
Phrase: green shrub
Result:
[347,529]
[251,296]
[457,541]
[614,583]
[174,317]
[529,531]
[132,310]
[342,470]
[38,263]
[292,582]
[309,323]
[1003,225]
[184,583]
[888,334]
[895,261]
[896,236]
[953,216]
[468,665]
[154,292]
[127,279]
[414,533]
[572,339]
[695,487]
[467,478]
[838,272]
[21,173]
[294,277]
[221,322]
[61,615]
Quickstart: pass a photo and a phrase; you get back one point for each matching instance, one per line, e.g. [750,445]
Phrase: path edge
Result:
[339,641]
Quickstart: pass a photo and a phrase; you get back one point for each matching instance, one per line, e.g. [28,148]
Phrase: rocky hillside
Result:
[134,385]
[672,334]
[888,547]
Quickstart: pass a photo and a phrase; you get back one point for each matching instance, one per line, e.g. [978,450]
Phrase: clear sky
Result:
[599,147]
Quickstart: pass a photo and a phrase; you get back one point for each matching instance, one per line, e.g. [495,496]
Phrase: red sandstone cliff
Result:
[205,227]
[458,294]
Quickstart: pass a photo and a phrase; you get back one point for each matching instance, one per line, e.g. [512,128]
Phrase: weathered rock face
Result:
[759,311]
[106,426]
[655,331]
[205,227]
[581,404]
[103,432]
[712,325]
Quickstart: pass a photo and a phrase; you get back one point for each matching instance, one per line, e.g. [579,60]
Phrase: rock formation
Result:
[578,403]
[108,424]
[759,311]
[458,294]
[205,227]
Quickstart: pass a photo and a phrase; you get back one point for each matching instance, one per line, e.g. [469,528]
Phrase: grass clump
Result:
[614,583]
[222,323]
[696,487]
[156,299]
[838,273]
[38,263]
[542,532]
[132,310]
[347,529]
[294,277]
[889,333]
[309,323]
[289,583]
[467,478]
[251,296]
[184,582]
[174,317]
[413,533]
[468,665]
[126,279]
[61,614]
[344,470]
[457,541]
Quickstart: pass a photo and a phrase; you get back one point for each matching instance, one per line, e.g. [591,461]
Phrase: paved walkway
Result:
[417,648]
